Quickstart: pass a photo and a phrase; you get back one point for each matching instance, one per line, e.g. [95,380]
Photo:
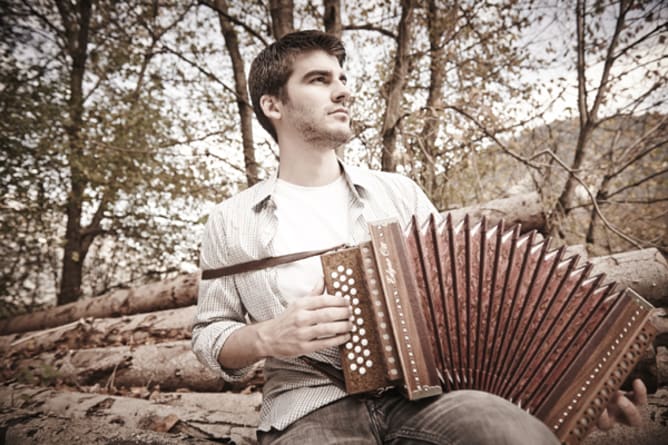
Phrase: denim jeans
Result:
[456,418]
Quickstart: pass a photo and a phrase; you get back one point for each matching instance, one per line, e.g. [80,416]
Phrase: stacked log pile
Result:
[119,368]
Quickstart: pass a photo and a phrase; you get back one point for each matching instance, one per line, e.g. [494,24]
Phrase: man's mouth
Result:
[340,110]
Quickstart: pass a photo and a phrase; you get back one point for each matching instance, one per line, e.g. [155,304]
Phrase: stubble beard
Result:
[317,133]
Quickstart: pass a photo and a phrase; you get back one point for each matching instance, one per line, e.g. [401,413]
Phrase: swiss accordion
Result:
[444,306]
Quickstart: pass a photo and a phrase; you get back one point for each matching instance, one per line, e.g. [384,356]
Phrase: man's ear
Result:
[271,106]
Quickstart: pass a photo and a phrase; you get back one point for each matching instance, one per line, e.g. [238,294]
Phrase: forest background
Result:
[124,123]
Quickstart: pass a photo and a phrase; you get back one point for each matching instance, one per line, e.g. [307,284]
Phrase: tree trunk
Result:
[169,294]
[332,17]
[241,88]
[645,271]
[168,366]
[282,21]
[395,88]
[47,416]
[155,327]
[76,25]
[588,114]
[526,209]
[440,25]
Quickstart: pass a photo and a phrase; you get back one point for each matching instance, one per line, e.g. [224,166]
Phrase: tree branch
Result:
[234,20]
[638,182]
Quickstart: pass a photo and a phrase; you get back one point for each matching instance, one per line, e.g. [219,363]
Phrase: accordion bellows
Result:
[449,306]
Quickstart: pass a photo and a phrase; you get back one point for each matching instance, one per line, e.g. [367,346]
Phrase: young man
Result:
[299,94]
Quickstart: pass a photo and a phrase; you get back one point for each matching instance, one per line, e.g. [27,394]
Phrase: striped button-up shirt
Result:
[241,229]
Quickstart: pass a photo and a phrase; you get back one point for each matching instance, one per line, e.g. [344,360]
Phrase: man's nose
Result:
[341,92]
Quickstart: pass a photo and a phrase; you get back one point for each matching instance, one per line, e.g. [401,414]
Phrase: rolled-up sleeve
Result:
[220,311]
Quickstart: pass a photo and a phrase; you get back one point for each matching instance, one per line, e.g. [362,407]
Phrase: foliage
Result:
[138,182]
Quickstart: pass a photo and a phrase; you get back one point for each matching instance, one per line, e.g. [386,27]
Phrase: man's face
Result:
[315,100]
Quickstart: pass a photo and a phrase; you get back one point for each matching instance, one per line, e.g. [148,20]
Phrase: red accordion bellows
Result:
[450,306]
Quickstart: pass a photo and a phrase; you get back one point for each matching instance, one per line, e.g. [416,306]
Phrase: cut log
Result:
[139,329]
[169,294]
[645,271]
[167,418]
[169,366]
[525,209]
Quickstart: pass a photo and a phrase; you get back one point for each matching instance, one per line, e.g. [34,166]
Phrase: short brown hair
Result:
[272,68]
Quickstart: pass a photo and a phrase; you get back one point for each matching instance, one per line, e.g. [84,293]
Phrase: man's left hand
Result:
[624,407]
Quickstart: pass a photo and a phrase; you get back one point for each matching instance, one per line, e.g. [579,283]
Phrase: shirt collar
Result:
[357,182]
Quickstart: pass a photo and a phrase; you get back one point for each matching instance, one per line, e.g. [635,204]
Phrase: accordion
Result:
[444,306]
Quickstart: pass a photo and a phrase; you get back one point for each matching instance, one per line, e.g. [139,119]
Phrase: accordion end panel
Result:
[577,401]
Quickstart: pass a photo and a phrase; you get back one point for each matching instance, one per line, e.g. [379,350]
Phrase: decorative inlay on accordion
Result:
[450,306]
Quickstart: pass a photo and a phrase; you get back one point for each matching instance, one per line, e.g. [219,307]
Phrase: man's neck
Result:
[309,168]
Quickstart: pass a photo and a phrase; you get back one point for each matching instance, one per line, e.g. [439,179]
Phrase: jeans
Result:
[459,417]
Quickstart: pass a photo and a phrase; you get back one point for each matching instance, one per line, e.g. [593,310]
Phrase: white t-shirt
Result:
[309,218]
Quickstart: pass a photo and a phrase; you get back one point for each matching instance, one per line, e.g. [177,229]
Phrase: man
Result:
[299,94]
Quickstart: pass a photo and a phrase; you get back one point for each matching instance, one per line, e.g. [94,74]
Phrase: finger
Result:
[324,330]
[628,412]
[639,395]
[329,342]
[319,287]
[315,302]
[330,314]
[604,421]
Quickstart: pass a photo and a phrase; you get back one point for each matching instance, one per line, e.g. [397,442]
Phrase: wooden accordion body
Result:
[453,306]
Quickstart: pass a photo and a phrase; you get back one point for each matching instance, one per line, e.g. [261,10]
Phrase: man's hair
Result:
[272,68]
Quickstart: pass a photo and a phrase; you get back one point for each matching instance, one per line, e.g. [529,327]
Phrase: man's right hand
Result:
[308,324]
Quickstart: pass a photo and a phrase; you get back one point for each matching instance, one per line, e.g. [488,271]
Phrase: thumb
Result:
[319,287]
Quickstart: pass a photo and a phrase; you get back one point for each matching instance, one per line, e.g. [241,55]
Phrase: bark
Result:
[645,271]
[169,294]
[525,209]
[166,418]
[441,24]
[395,88]
[168,366]
[76,24]
[282,21]
[332,17]
[660,321]
[241,88]
[155,327]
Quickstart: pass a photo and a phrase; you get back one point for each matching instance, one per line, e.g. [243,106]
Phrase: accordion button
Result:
[362,371]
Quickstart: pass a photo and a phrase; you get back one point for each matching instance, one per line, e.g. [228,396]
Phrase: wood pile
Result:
[118,369]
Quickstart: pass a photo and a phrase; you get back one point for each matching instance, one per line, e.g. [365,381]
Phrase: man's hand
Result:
[308,324]
[625,407]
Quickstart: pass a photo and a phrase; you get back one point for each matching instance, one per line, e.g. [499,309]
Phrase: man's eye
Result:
[319,79]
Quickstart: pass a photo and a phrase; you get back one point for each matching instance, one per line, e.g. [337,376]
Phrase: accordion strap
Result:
[263,263]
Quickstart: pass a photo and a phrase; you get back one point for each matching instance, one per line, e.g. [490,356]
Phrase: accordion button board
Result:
[445,305]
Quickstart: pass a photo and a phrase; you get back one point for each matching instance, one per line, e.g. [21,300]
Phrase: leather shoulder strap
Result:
[263,263]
